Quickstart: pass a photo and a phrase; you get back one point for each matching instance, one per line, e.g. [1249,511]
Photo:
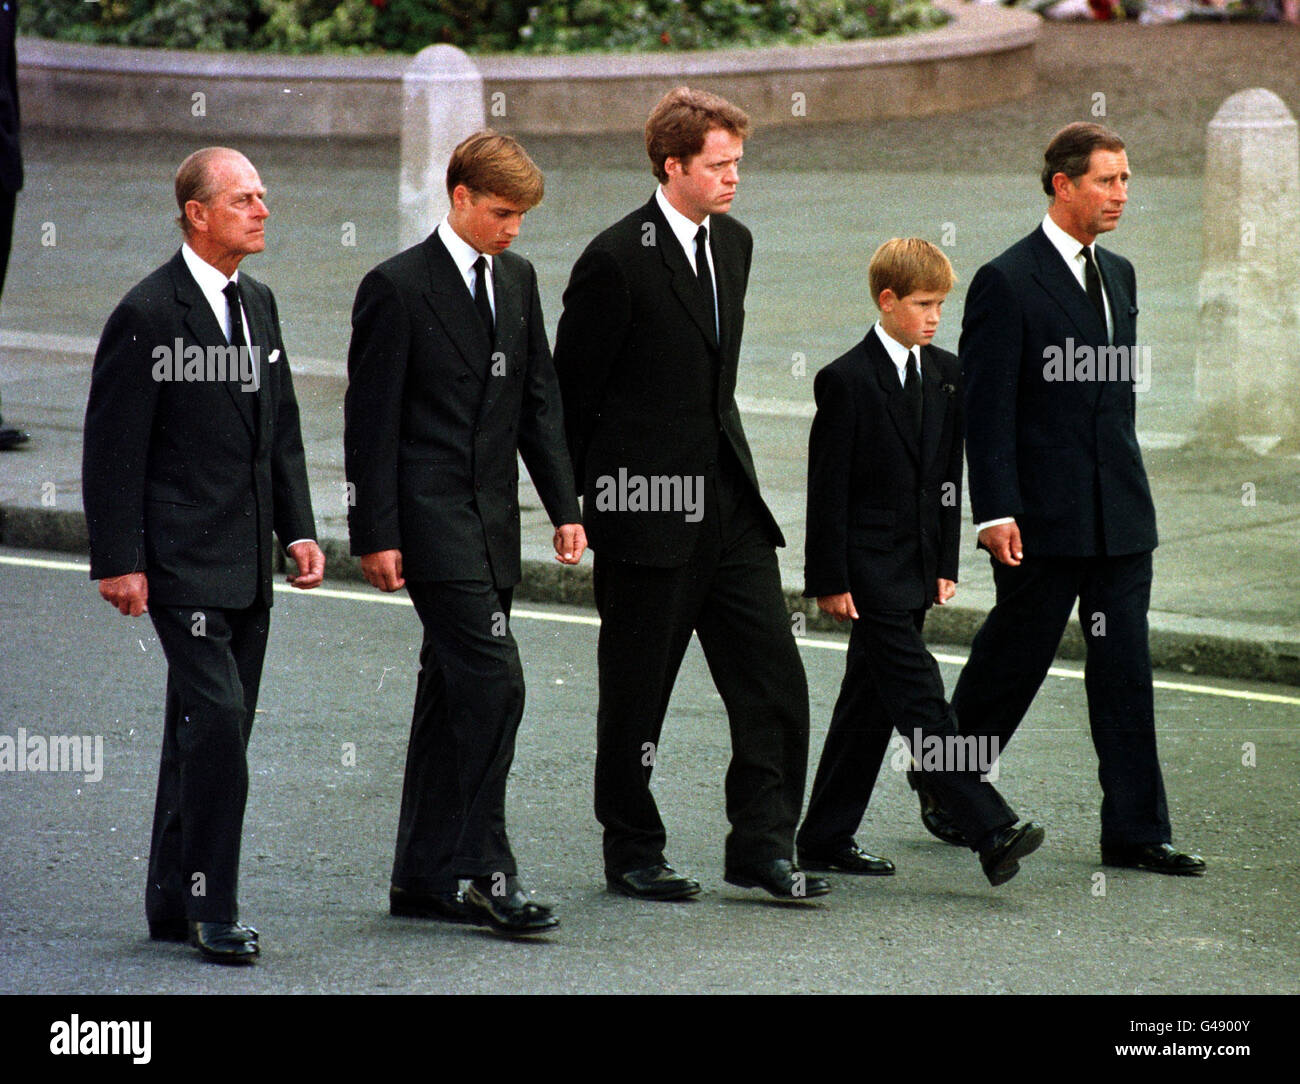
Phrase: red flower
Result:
[664,38]
[381,4]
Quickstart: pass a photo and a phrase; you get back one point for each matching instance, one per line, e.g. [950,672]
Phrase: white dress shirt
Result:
[465,256]
[1072,253]
[898,353]
[211,282]
[685,230]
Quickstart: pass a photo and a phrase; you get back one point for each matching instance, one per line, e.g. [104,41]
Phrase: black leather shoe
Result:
[848,859]
[1156,857]
[509,912]
[178,929]
[444,906]
[780,878]
[1001,858]
[223,942]
[933,815]
[11,438]
[660,882]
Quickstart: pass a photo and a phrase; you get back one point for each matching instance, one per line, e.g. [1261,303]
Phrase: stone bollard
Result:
[1248,347]
[442,103]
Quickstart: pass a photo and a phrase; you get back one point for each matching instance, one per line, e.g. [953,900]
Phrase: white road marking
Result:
[584,619]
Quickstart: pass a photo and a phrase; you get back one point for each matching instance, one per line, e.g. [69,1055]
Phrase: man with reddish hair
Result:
[647,350]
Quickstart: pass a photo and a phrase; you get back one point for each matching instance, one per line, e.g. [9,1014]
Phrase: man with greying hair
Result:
[647,351]
[193,457]
[1058,490]
[449,380]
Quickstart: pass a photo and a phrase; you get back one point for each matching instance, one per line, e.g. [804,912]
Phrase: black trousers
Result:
[469,700]
[729,594]
[892,682]
[7,202]
[214,668]
[1016,644]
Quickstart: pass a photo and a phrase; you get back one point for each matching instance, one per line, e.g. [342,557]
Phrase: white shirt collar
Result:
[207,276]
[463,254]
[1069,247]
[898,353]
[683,228]
[211,282]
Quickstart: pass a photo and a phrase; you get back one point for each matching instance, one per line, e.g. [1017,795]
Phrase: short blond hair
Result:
[908,264]
[491,164]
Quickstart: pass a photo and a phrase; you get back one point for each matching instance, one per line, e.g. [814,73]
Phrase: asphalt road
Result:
[319,834]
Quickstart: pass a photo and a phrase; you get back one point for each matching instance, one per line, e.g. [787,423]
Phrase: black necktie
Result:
[702,272]
[1092,282]
[481,301]
[236,336]
[912,391]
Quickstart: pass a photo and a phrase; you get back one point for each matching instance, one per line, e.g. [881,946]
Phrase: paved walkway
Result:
[95,217]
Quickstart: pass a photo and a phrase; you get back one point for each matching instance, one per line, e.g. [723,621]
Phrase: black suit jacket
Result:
[185,480]
[1059,455]
[884,509]
[649,386]
[11,159]
[435,414]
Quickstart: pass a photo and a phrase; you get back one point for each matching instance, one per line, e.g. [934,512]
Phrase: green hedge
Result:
[314,26]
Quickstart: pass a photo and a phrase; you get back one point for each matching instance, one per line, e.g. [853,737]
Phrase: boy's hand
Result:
[839,607]
[943,591]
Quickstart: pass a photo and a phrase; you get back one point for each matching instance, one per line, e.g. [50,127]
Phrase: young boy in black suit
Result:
[884,508]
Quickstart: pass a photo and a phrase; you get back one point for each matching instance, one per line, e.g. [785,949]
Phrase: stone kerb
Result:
[983,56]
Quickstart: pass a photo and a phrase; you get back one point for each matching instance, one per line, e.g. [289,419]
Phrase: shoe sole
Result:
[1010,864]
[237,959]
[745,882]
[684,893]
[513,931]
[435,916]
[831,867]
[1155,869]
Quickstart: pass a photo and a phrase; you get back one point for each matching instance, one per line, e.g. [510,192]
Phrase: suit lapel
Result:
[1059,282]
[201,323]
[684,283]
[934,411]
[1121,305]
[508,327]
[264,339]
[452,305]
[895,402]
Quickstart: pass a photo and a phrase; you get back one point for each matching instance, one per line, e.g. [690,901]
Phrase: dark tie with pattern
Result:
[1092,282]
[912,392]
[233,299]
[481,301]
[702,272]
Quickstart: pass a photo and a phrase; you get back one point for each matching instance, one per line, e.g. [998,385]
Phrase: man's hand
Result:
[129,593]
[943,591]
[1003,541]
[383,569]
[839,607]
[311,565]
[570,543]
